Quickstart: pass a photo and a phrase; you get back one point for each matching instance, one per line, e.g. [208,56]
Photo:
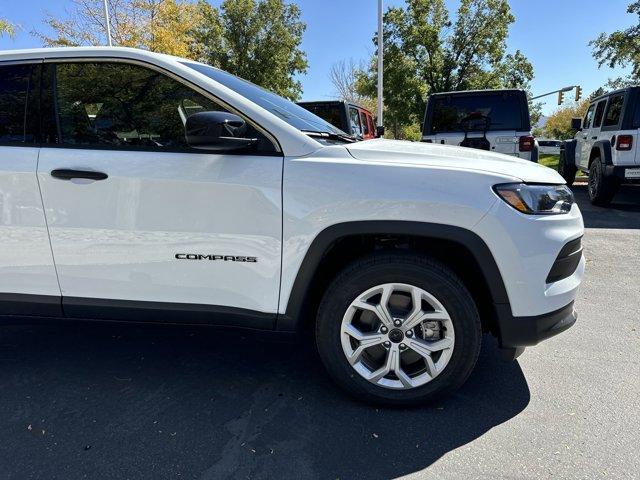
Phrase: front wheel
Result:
[398,329]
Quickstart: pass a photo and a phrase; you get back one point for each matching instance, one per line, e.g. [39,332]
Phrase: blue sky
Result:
[552,33]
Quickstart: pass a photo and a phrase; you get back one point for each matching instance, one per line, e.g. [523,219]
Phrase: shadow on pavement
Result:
[117,401]
[623,212]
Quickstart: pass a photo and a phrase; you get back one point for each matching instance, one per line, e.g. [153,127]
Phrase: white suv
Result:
[493,120]
[605,145]
[142,187]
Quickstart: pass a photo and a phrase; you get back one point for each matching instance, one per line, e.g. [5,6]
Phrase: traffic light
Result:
[560,97]
[578,93]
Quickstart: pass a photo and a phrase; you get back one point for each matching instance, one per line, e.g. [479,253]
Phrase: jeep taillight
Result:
[624,142]
[526,143]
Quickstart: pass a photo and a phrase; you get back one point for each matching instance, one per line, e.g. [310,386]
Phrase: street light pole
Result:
[108,23]
[380,64]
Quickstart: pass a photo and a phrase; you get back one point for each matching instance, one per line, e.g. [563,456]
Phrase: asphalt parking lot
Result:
[127,402]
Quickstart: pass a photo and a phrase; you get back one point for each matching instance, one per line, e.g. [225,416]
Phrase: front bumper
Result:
[518,332]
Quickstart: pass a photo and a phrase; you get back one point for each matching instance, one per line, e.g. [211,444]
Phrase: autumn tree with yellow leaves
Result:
[257,40]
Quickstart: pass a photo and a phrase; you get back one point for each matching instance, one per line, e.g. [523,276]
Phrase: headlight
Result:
[536,199]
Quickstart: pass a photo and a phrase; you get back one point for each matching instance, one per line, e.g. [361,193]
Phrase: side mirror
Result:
[576,124]
[217,132]
[379,131]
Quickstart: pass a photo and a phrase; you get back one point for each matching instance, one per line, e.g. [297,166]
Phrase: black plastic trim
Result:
[567,261]
[604,147]
[37,306]
[323,242]
[164,312]
[528,331]
[569,147]
[30,305]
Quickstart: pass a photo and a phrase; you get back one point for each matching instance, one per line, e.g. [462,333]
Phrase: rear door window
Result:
[636,115]
[597,120]
[501,111]
[15,83]
[614,111]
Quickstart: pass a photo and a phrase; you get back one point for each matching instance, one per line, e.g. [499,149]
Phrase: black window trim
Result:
[278,152]
[36,62]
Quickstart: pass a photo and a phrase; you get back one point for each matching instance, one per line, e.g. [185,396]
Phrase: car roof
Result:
[614,92]
[65,52]
[472,92]
[330,102]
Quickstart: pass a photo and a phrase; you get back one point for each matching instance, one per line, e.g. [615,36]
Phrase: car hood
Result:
[448,156]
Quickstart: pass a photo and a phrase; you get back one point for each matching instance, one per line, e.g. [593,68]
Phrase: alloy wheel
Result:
[397,336]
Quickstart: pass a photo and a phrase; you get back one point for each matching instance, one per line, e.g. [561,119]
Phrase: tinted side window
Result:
[588,117]
[636,115]
[614,110]
[597,120]
[365,124]
[355,121]
[15,83]
[121,105]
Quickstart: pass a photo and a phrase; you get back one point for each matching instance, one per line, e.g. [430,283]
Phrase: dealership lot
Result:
[96,401]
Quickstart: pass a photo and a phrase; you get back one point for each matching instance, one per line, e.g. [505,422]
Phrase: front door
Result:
[151,220]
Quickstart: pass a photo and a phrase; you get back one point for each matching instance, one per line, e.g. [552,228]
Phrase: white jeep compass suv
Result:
[143,187]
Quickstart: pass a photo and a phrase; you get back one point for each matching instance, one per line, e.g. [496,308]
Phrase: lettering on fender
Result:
[224,258]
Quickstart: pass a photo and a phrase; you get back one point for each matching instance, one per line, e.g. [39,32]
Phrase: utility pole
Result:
[107,22]
[380,64]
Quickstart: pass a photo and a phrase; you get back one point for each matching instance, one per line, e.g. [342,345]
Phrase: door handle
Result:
[584,137]
[68,174]
[594,138]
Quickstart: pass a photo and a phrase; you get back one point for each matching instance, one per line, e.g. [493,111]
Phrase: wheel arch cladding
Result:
[569,148]
[323,244]
[601,148]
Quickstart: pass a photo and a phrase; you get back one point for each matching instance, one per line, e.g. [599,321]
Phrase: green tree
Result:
[558,124]
[425,52]
[620,49]
[258,40]
[6,28]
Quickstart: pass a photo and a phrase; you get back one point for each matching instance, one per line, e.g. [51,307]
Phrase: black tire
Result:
[417,270]
[567,169]
[602,188]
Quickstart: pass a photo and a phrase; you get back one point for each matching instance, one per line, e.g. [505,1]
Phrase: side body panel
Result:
[26,263]
[332,187]
[118,238]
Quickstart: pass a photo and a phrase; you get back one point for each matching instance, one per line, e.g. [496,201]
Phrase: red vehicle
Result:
[348,117]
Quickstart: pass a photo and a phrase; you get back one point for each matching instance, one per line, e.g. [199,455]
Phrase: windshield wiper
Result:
[330,135]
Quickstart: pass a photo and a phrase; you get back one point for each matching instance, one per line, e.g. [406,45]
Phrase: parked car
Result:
[605,145]
[348,117]
[165,190]
[493,120]
[549,146]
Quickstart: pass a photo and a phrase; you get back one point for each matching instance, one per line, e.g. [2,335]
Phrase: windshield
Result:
[288,111]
